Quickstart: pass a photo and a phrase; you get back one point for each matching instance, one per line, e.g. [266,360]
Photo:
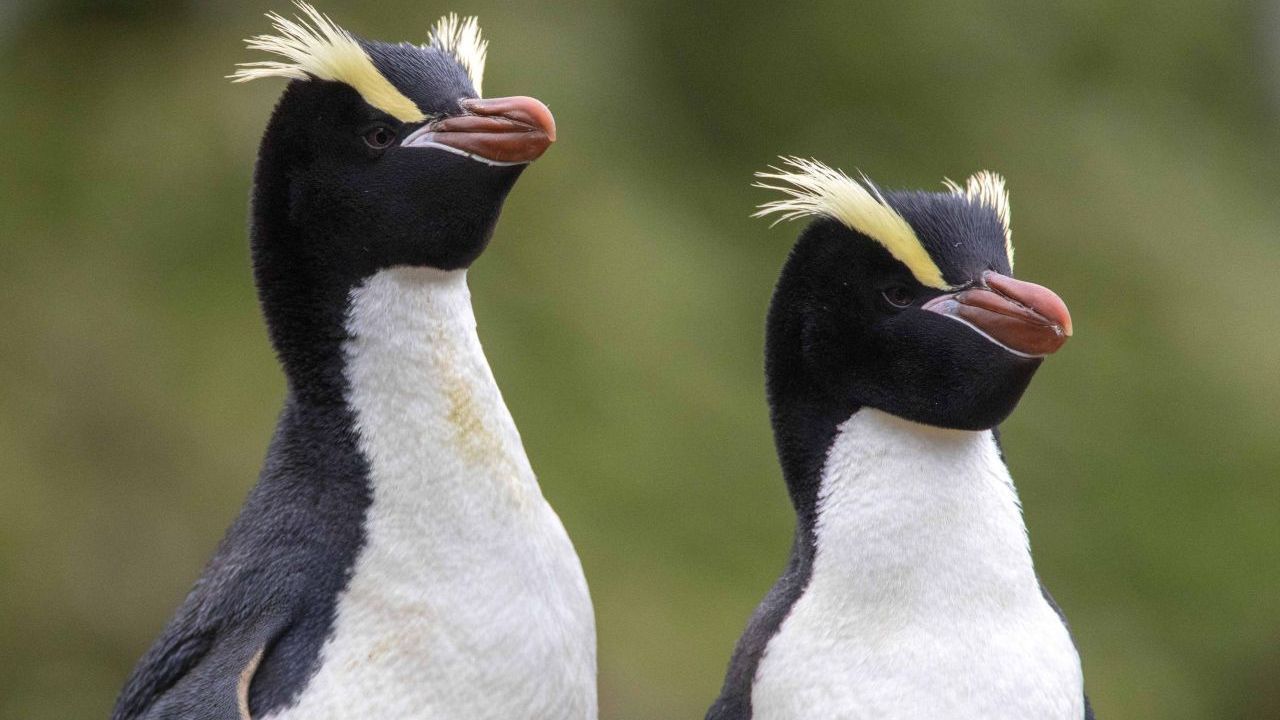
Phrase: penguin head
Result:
[904,301]
[379,155]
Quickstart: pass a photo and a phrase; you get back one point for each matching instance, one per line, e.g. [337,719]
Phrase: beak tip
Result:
[1063,317]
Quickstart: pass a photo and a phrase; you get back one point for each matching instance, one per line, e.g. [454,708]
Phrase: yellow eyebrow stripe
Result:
[317,47]
[813,188]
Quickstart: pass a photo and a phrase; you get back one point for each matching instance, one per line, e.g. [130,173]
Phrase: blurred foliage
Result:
[622,302]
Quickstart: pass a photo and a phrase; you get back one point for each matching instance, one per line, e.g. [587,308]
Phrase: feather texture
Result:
[815,189]
[461,38]
[314,46]
[988,189]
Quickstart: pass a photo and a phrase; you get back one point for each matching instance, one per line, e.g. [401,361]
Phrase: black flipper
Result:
[168,661]
[272,586]
[1088,709]
[197,671]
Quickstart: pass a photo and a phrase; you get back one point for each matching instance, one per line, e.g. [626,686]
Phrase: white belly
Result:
[422,640]
[468,600]
[923,602]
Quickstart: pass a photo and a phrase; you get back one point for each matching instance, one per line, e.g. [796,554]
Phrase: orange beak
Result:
[1023,317]
[497,131]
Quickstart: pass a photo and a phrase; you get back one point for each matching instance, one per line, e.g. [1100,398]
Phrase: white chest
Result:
[468,600]
[923,602]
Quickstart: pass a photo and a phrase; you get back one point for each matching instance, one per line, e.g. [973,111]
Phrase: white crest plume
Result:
[315,46]
[461,38]
[987,188]
[812,188]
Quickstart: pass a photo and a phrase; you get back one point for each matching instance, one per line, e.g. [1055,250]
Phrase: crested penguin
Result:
[396,558]
[896,342]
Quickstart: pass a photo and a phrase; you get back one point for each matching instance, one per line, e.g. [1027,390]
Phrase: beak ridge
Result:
[495,131]
[1024,318]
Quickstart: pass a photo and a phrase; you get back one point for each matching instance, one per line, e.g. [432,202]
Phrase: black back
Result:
[805,421]
[273,584]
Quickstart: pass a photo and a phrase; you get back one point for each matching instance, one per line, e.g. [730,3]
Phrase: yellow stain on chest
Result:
[477,442]
[474,436]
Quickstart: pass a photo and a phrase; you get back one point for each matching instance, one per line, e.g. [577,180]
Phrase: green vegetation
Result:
[622,303]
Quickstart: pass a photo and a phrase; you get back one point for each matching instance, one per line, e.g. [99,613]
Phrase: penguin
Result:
[896,342]
[396,558]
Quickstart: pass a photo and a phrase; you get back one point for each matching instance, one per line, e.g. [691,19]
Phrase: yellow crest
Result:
[461,38]
[315,46]
[812,188]
[987,188]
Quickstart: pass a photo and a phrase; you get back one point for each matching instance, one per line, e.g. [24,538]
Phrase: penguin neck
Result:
[303,291]
[429,416]
[854,472]
[803,416]
[908,513]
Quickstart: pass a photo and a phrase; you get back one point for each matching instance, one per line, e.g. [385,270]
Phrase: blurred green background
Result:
[622,300]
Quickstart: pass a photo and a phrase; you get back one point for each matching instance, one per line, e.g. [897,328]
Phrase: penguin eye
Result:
[379,137]
[899,296]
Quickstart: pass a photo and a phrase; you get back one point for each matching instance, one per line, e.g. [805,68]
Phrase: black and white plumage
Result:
[396,558]
[896,342]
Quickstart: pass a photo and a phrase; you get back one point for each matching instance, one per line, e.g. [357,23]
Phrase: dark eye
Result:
[898,296]
[379,137]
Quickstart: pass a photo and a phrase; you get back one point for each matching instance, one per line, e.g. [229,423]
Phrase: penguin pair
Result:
[396,558]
